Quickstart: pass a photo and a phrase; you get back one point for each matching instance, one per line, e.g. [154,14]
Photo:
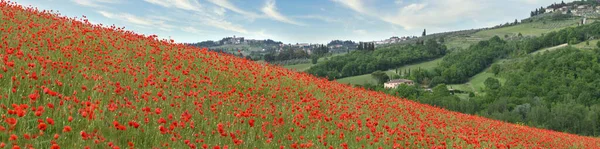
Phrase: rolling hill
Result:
[464,39]
[66,83]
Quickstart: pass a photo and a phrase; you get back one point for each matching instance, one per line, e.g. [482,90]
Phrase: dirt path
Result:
[550,49]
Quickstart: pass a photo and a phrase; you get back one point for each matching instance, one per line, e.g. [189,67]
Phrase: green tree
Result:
[492,83]
[568,117]
[424,32]
[269,57]
[380,76]
[495,69]
[314,59]
[441,90]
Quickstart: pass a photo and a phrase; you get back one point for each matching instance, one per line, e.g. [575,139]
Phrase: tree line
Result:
[457,67]
[368,59]
[555,90]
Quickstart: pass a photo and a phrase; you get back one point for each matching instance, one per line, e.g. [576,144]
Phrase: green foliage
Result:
[441,90]
[458,67]
[395,76]
[492,83]
[367,46]
[320,51]
[380,76]
[361,62]
[559,87]
[557,90]
[495,69]
[471,94]
[286,54]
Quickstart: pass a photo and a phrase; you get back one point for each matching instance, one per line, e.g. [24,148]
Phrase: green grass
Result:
[361,79]
[428,65]
[584,45]
[526,29]
[464,41]
[364,79]
[475,84]
[549,49]
[306,66]
[529,29]
[299,67]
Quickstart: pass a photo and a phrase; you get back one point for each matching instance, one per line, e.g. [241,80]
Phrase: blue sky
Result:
[293,21]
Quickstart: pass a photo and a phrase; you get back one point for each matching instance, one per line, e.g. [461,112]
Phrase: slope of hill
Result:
[536,28]
[562,82]
[464,39]
[368,79]
[67,83]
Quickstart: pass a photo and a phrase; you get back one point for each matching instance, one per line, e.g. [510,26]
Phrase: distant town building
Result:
[397,82]
[233,40]
[392,40]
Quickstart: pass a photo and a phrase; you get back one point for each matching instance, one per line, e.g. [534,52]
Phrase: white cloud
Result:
[141,21]
[319,17]
[398,2]
[94,3]
[431,13]
[225,25]
[436,14]
[356,5]
[412,8]
[360,32]
[219,11]
[271,11]
[190,29]
[227,5]
[181,4]
[215,18]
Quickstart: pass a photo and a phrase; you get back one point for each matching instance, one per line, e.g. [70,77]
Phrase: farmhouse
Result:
[397,82]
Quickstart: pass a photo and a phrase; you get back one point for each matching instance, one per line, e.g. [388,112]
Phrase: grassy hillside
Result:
[475,84]
[364,79]
[299,67]
[591,44]
[306,66]
[535,28]
[68,84]
[464,40]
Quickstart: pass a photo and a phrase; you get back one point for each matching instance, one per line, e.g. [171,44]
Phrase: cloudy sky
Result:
[293,21]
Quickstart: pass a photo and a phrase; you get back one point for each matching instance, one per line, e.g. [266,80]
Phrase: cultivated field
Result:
[65,83]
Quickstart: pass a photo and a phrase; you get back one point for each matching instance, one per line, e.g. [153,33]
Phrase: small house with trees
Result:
[397,82]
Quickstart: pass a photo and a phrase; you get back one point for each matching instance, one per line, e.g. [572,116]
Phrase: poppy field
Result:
[67,83]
